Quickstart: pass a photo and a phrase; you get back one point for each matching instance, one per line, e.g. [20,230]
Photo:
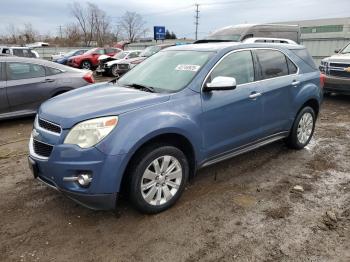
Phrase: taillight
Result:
[322,80]
[88,77]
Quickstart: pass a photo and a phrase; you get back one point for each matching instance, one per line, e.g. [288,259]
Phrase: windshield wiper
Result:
[142,87]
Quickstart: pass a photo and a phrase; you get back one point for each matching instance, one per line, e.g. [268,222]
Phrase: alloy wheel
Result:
[161,180]
[305,128]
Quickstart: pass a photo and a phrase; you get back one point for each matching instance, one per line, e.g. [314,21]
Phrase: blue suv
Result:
[184,108]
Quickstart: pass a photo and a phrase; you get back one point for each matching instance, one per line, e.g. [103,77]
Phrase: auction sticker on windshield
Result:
[183,67]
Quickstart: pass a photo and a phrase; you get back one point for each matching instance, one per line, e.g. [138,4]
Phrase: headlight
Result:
[88,133]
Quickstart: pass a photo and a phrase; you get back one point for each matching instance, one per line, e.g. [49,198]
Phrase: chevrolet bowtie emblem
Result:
[35,133]
[347,69]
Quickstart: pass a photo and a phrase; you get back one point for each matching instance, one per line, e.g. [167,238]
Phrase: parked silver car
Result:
[27,82]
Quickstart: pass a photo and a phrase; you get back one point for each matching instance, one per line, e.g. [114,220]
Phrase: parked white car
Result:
[18,51]
[109,65]
[58,56]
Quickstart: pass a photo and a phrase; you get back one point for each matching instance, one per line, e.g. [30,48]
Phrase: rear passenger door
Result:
[4,107]
[27,86]
[278,75]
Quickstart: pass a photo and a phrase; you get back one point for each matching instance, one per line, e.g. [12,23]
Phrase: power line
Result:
[197,19]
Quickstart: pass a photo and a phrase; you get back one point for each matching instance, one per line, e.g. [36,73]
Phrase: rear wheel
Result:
[86,65]
[303,128]
[158,178]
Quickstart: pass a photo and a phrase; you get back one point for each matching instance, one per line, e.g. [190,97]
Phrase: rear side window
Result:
[273,63]
[238,65]
[17,71]
[18,52]
[1,74]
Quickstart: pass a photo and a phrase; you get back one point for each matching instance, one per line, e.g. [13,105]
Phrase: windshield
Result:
[346,50]
[120,55]
[167,71]
[91,51]
[71,53]
[149,51]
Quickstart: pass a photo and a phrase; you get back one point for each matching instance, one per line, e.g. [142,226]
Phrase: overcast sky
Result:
[177,15]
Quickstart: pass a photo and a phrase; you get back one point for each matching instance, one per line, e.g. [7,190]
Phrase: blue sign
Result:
[159,32]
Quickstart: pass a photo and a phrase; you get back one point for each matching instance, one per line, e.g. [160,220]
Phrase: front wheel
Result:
[303,128]
[114,71]
[158,178]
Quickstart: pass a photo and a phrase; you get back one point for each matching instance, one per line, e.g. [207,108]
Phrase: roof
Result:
[36,61]
[217,46]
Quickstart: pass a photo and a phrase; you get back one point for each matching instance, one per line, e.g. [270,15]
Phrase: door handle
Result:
[48,80]
[254,95]
[295,83]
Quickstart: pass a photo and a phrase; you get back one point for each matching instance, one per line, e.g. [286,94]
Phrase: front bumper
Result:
[92,201]
[66,161]
[337,84]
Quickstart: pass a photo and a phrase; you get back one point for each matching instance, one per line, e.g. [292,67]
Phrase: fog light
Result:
[84,180]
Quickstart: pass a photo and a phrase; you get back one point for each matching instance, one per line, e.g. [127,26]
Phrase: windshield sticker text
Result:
[182,67]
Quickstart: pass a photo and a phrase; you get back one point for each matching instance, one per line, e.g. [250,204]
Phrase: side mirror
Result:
[336,51]
[221,83]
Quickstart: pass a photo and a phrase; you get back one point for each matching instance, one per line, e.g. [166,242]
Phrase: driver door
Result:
[232,118]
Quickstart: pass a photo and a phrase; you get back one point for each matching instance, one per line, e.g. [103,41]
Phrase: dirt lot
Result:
[249,213]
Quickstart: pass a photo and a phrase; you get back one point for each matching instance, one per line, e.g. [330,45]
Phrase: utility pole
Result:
[197,18]
[60,28]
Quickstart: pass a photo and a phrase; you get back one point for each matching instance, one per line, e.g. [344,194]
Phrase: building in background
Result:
[323,36]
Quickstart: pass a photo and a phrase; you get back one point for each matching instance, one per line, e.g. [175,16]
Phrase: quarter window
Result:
[292,68]
[17,71]
[52,71]
[273,63]
[238,65]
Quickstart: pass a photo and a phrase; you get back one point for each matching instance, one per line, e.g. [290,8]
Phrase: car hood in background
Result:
[102,57]
[136,60]
[96,101]
[113,62]
[341,58]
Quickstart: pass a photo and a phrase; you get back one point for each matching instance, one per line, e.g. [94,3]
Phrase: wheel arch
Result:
[172,138]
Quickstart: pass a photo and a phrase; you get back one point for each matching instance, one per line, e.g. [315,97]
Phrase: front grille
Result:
[49,126]
[42,149]
[339,73]
[339,65]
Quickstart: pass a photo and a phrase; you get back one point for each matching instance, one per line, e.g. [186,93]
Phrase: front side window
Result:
[238,65]
[167,71]
[17,71]
[273,63]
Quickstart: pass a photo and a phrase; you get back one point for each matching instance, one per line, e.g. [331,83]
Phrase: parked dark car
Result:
[125,66]
[27,82]
[64,60]
[89,60]
[184,108]
[337,72]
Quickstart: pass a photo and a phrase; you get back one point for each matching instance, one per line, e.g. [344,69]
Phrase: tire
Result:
[114,71]
[86,65]
[303,128]
[160,189]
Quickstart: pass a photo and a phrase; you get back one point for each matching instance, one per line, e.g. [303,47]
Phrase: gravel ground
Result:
[273,204]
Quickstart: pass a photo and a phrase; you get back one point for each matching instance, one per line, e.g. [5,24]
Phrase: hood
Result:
[117,61]
[341,58]
[96,101]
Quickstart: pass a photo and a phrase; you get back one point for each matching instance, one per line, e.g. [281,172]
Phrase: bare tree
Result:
[72,35]
[12,34]
[93,22]
[132,24]
[29,33]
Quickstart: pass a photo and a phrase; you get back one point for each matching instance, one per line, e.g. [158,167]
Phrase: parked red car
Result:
[89,60]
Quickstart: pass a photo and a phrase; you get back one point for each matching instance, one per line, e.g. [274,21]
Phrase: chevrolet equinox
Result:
[184,108]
